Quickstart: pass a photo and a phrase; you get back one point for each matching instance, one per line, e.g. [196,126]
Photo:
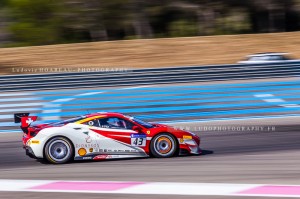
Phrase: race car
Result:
[103,135]
[267,58]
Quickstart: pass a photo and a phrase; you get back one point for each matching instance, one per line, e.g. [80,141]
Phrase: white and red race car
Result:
[101,136]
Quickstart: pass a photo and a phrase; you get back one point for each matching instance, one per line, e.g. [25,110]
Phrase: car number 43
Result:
[138,140]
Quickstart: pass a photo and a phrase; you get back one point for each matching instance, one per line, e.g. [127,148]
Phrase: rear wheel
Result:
[58,150]
[163,145]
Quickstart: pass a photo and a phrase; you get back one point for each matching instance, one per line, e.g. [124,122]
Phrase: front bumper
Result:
[190,145]
[195,150]
[29,152]
[185,151]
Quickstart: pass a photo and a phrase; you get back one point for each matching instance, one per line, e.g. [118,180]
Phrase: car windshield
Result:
[71,120]
[141,122]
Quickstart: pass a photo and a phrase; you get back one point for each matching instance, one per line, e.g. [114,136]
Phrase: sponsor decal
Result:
[115,151]
[138,135]
[29,142]
[100,157]
[138,139]
[88,139]
[148,132]
[87,158]
[35,142]
[82,152]
[181,140]
[87,145]
[91,150]
[91,123]
[187,137]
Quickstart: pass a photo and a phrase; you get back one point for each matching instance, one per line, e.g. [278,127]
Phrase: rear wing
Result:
[25,120]
[18,116]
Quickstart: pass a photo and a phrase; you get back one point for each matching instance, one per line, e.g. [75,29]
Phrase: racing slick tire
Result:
[59,150]
[163,145]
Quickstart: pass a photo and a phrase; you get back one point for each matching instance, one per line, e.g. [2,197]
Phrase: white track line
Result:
[290,105]
[264,95]
[270,98]
[19,99]
[13,94]
[150,188]
[274,100]
[57,106]
[20,105]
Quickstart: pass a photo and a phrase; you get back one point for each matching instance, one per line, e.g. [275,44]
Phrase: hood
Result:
[169,128]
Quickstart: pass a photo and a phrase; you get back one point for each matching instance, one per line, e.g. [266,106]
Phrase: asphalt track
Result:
[230,156]
[270,157]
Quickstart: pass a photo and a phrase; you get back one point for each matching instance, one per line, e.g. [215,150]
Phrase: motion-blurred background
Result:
[41,22]
[143,34]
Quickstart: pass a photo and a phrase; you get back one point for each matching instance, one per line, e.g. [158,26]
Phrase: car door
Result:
[116,137]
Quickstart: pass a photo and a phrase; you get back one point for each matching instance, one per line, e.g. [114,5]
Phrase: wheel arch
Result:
[55,136]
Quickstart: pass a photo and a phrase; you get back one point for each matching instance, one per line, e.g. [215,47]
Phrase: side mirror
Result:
[137,129]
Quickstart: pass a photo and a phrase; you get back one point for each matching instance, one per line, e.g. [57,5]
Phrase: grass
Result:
[146,53]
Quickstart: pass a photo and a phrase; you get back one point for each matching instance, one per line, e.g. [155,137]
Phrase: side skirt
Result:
[107,157]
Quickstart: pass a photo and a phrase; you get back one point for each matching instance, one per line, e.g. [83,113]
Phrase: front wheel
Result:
[58,150]
[163,146]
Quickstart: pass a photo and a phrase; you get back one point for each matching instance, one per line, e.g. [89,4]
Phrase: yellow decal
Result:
[81,152]
[181,140]
[148,132]
[91,150]
[187,137]
[35,141]
[88,119]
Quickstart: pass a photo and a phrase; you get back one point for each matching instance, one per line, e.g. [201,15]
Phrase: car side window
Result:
[115,123]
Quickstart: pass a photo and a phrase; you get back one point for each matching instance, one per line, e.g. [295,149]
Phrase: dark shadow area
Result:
[207,152]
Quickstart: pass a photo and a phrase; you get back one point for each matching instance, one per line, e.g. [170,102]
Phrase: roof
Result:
[104,114]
